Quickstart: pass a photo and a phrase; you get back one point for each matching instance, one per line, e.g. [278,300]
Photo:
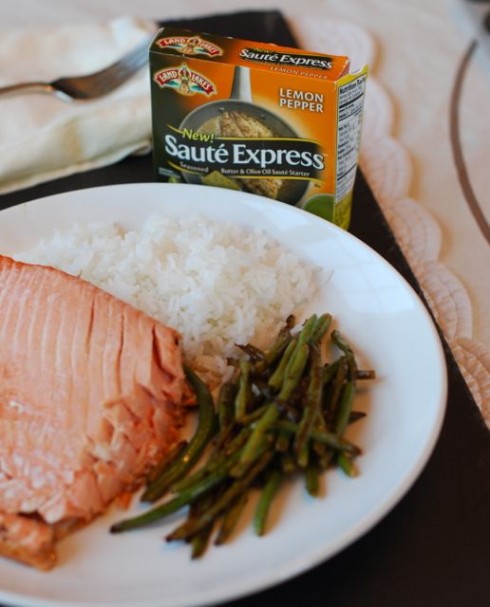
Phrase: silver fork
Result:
[91,86]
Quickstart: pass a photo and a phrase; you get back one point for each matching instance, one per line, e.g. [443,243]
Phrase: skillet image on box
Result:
[232,118]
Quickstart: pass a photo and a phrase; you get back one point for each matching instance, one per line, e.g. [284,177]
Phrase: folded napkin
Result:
[42,137]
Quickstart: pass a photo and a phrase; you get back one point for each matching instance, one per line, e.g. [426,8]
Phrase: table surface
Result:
[433,548]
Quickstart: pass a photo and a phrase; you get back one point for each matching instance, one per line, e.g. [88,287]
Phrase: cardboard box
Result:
[275,121]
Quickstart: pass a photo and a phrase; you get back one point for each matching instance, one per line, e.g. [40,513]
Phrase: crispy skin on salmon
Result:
[90,400]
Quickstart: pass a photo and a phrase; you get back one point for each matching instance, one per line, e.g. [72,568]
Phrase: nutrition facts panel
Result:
[351,100]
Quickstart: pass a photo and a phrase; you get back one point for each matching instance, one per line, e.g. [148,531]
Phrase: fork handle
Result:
[27,87]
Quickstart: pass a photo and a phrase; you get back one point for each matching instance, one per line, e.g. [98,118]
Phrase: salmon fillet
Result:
[90,399]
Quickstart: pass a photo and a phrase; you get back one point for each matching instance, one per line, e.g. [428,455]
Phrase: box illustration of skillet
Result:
[275,121]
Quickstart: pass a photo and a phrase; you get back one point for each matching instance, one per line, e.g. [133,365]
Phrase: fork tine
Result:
[90,86]
[107,79]
[127,65]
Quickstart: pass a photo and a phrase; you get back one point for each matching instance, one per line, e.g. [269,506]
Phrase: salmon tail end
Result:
[27,540]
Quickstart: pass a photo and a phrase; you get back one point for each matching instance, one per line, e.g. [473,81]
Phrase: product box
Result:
[275,121]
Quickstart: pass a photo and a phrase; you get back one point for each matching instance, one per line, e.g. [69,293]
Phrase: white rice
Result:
[217,284]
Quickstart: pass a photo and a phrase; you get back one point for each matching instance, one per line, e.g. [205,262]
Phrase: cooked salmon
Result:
[90,399]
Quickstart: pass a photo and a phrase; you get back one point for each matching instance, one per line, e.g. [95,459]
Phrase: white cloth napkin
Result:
[43,137]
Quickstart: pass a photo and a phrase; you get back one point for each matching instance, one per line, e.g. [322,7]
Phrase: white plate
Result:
[392,332]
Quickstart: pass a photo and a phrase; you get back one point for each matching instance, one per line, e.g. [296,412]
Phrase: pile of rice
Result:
[217,284]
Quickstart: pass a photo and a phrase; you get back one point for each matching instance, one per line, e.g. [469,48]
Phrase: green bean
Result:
[347,465]
[236,442]
[345,406]
[288,463]
[308,330]
[263,507]
[356,415]
[225,405]
[293,372]
[325,459]
[340,341]
[188,529]
[205,429]
[312,477]
[253,416]
[255,442]
[230,519]
[273,353]
[328,438]
[283,441]
[329,372]
[303,455]
[287,375]
[223,460]
[336,386]
[200,541]
[167,460]
[173,505]
[311,409]
[242,396]
[254,354]
[319,448]
[320,426]
[366,374]
[321,327]
[276,379]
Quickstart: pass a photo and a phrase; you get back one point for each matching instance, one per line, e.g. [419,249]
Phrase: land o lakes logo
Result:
[190,45]
[184,81]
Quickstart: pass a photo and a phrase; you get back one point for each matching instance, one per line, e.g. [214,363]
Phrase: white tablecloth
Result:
[425,142]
